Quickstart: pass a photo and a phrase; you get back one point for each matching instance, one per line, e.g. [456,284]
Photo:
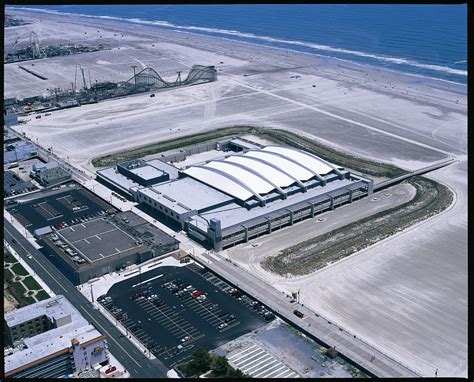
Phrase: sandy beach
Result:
[406,295]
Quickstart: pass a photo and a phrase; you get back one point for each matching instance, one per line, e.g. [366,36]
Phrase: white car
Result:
[186,338]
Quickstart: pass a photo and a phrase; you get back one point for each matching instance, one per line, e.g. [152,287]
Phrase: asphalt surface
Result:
[181,320]
[50,203]
[369,359]
[135,362]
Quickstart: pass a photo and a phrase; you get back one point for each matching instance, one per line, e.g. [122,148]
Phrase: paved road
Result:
[372,360]
[138,365]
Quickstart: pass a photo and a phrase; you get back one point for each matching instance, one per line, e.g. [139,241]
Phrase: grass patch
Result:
[202,362]
[29,300]
[308,256]
[19,270]
[7,275]
[326,152]
[42,295]
[31,283]
[171,144]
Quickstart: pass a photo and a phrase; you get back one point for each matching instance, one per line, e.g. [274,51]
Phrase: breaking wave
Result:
[230,32]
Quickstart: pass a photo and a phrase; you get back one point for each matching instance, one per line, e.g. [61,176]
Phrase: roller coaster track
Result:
[149,77]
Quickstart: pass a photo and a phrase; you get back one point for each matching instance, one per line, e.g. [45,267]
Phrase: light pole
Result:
[134,74]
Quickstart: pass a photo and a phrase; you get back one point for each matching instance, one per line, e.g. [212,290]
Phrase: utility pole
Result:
[75,78]
[134,74]
[84,78]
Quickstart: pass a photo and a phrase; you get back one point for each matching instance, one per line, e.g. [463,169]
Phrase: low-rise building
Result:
[50,339]
[48,174]
[16,149]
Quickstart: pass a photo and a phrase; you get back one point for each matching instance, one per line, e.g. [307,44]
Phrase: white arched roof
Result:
[258,172]
[315,163]
[271,172]
[289,166]
[257,183]
[219,181]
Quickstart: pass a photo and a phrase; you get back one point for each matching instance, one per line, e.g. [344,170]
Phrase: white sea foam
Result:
[320,47]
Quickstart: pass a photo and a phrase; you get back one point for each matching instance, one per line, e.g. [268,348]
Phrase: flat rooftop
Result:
[54,307]
[186,194]
[147,172]
[46,344]
[166,167]
[97,239]
[117,179]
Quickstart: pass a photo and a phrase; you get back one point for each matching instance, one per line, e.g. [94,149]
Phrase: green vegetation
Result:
[355,372]
[31,283]
[306,257]
[7,257]
[331,154]
[171,144]
[430,199]
[19,270]
[16,288]
[7,275]
[42,295]
[202,362]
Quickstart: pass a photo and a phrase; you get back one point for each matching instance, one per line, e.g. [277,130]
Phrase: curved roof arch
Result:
[257,183]
[277,174]
[260,171]
[319,165]
[222,181]
[299,171]
[249,169]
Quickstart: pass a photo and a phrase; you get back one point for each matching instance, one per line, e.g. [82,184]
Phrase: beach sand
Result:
[406,295]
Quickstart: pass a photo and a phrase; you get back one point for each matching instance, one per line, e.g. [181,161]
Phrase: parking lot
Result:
[258,363]
[59,208]
[174,310]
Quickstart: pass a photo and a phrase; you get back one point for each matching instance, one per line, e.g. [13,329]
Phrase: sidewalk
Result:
[43,285]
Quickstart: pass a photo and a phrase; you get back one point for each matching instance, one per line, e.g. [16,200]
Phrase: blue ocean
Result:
[428,40]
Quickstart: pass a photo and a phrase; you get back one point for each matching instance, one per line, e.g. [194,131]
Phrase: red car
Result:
[197,294]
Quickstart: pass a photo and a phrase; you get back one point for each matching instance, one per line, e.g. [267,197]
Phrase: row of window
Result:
[154,203]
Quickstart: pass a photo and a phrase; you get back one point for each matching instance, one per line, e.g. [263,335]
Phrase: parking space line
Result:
[233,357]
[277,370]
[283,372]
[250,359]
[267,360]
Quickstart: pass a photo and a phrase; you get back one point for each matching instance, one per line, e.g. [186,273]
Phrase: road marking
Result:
[108,334]
[41,265]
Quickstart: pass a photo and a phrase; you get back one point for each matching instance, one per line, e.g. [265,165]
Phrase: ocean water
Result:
[428,40]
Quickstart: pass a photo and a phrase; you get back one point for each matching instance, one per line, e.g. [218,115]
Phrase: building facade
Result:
[16,149]
[50,339]
[245,191]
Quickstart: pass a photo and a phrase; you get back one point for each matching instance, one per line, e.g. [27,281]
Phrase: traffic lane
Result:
[60,285]
[369,358]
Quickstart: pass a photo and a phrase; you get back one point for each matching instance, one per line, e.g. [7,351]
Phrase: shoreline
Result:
[161,25]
